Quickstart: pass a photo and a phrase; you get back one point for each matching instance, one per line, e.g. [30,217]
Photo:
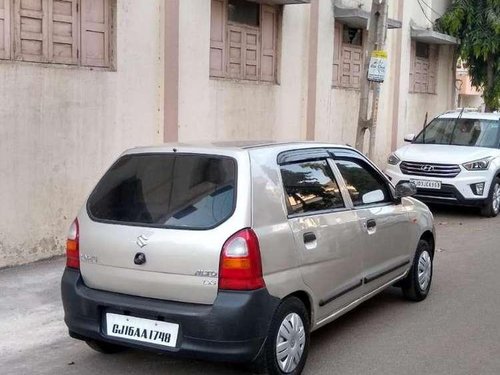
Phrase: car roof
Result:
[471,115]
[232,146]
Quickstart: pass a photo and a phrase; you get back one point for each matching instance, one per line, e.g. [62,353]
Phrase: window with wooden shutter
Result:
[31,30]
[63,31]
[243,40]
[243,52]
[348,57]
[423,68]
[5,29]
[433,66]
[76,32]
[352,60]
[421,75]
[217,38]
[337,54]
[412,66]
[251,56]
[269,25]
[235,65]
[95,32]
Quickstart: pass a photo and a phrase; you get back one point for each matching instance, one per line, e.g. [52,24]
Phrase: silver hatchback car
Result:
[236,252]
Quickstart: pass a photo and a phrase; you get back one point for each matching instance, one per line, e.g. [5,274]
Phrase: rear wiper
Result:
[456,123]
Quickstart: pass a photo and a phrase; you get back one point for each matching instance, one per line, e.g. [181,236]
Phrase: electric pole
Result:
[377,33]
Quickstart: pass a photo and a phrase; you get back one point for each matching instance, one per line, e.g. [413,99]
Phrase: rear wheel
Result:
[492,207]
[417,283]
[287,344]
[104,347]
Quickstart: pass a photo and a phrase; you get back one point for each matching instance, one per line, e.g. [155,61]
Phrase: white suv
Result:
[454,160]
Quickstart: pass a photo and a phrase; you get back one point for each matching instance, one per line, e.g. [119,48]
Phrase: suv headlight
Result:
[478,165]
[393,159]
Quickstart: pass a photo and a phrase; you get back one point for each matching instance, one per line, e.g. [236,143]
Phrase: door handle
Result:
[370,224]
[309,237]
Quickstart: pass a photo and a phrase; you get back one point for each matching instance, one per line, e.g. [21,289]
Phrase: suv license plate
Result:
[426,184]
[143,330]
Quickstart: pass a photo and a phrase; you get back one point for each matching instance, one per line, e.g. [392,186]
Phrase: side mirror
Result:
[405,189]
[409,137]
[373,197]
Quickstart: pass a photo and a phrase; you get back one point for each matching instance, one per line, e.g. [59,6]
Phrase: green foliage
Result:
[477,24]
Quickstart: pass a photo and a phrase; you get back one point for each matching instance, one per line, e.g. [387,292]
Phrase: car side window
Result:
[310,186]
[364,184]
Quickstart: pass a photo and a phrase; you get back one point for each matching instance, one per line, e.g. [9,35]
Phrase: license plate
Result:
[427,184]
[143,330]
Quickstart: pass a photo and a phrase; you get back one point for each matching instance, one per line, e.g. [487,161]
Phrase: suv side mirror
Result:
[409,137]
[405,189]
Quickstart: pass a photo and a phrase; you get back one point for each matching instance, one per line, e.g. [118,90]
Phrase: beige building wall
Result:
[340,119]
[61,127]
[418,104]
[223,109]
[401,112]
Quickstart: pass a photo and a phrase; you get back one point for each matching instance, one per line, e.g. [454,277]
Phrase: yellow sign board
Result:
[380,54]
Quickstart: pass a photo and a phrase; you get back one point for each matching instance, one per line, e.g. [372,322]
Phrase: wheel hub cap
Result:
[290,342]
[424,270]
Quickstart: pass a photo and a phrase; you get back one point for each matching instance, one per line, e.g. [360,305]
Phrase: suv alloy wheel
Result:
[492,207]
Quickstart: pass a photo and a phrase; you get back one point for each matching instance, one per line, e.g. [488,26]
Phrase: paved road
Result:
[455,331]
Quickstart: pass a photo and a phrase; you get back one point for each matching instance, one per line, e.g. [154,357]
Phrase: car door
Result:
[325,230]
[383,220]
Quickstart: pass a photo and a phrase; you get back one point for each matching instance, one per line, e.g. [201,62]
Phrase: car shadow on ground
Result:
[457,212]
[361,315]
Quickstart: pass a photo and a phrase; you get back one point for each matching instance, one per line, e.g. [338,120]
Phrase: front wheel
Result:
[492,207]
[417,283]
[287,343]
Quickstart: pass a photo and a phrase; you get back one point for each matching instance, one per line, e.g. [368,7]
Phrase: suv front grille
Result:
[430,169]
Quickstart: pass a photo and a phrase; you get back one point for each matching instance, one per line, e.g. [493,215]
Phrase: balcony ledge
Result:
[432,37]
[358,18]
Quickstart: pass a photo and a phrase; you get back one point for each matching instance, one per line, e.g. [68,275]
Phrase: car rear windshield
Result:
[461,132]
[166,190]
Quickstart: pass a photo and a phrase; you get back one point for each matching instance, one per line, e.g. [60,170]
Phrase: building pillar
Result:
[171,72]
[402,61]
[312,71]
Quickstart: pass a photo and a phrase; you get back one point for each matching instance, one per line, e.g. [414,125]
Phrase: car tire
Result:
[291,316]
[492,207]
[418,282]
[104,347]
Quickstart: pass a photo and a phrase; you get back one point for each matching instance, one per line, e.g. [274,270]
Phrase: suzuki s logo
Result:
[140,258]
[142,241]
[427,168]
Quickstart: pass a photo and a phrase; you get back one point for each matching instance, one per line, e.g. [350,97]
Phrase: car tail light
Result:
[240,262]
[73,246]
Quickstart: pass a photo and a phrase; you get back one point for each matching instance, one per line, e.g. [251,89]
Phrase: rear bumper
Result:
[232,329]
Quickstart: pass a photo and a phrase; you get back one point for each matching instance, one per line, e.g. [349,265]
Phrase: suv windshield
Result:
[166,190]
[464,132]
